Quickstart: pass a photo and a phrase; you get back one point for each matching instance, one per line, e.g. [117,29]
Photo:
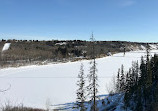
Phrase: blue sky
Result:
[130,20]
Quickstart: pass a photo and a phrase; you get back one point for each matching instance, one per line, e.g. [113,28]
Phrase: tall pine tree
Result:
[81,90]
[118,82]
[122,79]
[93,78]
[148,68]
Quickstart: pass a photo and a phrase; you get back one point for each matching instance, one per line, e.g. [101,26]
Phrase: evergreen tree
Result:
[137,72]
[118,82]
[134,75]
[130,79]
[93,78]
[142,73]
[122,79]
[148,83]
[148,68]
[144,92]
[81,90]
[154,68]
[127,83]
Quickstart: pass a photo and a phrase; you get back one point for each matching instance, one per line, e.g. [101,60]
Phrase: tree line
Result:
[140,85]
[32,51]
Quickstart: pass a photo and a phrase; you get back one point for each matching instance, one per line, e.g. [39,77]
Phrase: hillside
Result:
[27,52]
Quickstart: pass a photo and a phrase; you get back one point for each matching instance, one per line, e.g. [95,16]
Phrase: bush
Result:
[20,108]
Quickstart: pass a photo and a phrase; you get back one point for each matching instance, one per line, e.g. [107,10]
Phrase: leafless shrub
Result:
[111,87]
[8,107]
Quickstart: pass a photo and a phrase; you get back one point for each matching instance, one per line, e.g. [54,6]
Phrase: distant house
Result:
[61,43]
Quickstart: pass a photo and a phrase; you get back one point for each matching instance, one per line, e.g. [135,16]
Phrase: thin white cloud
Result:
[127,3]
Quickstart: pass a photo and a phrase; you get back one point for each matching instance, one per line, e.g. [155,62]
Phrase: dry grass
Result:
[20,108]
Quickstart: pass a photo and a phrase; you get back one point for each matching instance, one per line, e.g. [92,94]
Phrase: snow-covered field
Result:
[35,85]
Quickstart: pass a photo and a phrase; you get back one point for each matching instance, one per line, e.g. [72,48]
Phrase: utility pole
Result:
[124,49]
[147,52]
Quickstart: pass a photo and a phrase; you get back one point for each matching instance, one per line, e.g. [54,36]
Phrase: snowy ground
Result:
[35,85]
[6,46]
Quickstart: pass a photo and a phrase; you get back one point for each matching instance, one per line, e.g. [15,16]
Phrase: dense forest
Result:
[140,85]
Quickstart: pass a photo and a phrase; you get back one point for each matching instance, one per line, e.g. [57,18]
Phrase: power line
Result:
[4,90]
[48,77]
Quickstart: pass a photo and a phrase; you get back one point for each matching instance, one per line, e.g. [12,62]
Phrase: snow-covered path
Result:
[34,85]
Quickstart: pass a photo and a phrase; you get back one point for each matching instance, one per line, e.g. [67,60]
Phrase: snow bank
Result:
[6,46]
[105,103]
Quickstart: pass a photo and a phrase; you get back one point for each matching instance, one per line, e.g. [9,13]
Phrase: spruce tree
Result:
[154,68]
[81,90]
[135,74]
[142,73]
[142,81]
[93,78]
[144,97]
[127,83]
[118,82]
[130,79]
[137,71]
[148,68]
[122,79]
